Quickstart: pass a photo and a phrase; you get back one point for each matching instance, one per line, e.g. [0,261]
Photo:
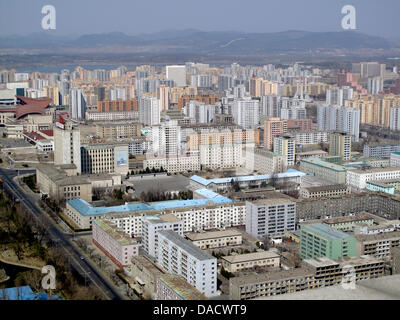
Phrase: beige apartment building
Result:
[61,183]
[239,262]
[315,273]
[215,239]
[374,109]
[144,273]
[268,162]
[105,158]
[273,127]
[123,130]
[333,190]
[378,245]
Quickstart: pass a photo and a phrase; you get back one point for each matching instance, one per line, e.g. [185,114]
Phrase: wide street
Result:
[87,269]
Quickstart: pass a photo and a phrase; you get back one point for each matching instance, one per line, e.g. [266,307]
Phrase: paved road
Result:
[84,267]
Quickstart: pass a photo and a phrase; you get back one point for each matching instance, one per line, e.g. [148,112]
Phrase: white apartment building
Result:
[177,255]
[151,225]
[67,145]
[200,112]
[78,104]
[268,162]
[149,111]
[395,159]
[331,117]
[338,95]
[218,156]
[182,163]
[311,137]
[246,112]
[165,139]
[195,214]
[395,118]
[177,74]
[112,116]
[270,217]
[201,80]
[358,178]
[293,113]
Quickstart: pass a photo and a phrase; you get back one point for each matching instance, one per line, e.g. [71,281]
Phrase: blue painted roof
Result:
[207,193]
[86,209]
[24,293]
[291,173]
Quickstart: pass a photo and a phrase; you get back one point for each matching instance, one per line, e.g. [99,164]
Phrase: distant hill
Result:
[202,42]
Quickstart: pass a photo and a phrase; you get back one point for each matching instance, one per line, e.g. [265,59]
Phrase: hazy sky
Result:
[76,17]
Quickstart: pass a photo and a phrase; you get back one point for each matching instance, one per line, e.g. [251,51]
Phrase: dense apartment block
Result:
[322,169]
[315,273]
[116,244]
[332,190]
[340,145]
[358,179]
[177,255]
[268,162]
[151,225]
[117,105]
[121,130]
[240,262]
[286,146]
[320,240]
[270,217]
[378,245]
[273,127]
[215,239]
[196,214]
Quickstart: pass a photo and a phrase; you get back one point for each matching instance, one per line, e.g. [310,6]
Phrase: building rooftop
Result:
[311,152]
[325,231]
[375,170]
[359,217]
[291,173]
[330,187]
[163,218]
[196,236]
[24,293]
[272,201]
[87,209]
[208,194]
[147,264]
[60,178]
[185,245]
[237,258]
[383,288]
[255,278]
[325,164]
[320,262]
[182,288]
[117,234]
[378,236]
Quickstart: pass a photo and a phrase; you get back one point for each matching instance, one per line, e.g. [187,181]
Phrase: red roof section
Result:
[49,133]
[34,135]
[26,109]
[44,102]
